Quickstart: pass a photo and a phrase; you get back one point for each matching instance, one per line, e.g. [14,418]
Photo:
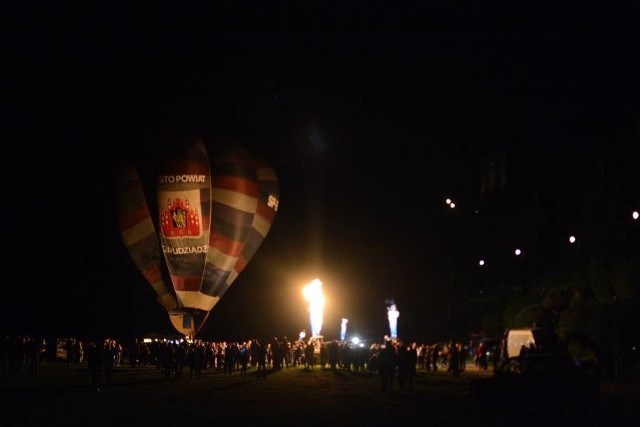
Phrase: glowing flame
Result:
[313,294]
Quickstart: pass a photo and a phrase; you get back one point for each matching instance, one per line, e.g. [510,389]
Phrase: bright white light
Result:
[449,201]
[481,262]
[452,205]
[572,239]
[635,215]
[517,252]
[302,335]
[313,294]
[355,340]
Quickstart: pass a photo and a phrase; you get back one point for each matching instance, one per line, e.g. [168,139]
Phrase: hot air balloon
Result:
[212,217]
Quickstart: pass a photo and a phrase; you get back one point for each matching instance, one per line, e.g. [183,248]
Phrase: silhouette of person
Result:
[261,360]
[387,363]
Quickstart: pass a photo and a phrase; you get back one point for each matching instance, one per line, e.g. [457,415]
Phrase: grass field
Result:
[62,395]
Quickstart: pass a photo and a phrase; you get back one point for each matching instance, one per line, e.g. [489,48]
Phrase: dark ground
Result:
[61,395]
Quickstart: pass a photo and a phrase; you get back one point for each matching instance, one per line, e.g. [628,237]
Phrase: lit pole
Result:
[484,275]
[575,241]
[519,254]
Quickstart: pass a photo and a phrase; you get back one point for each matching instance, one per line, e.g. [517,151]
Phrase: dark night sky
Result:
[370,116]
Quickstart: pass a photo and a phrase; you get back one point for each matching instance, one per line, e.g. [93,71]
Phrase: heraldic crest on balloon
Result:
[212,216]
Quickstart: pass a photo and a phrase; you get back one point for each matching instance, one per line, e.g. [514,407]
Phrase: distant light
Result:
[452,205]
[355,340]
[572,239]
[449,201]
[635,215]
[517,252]
[481,262]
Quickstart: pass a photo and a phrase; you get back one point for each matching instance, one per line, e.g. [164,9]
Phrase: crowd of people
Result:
[391,359]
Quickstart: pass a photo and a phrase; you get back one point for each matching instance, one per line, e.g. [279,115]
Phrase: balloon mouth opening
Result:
[188,321]
[195,312]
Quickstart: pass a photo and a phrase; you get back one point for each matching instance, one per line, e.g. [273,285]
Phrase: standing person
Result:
[334,351]
[407,360]
[201,358]
[167,358]
[276,349]
[69,348]
[309,356]
[481,354]
[244,359]
[94,363]
[78,350]
[435,353]
[454,359]
[191,359]
[180,358]
[387,363]
[261,360]
[134,353]
[34,348]
[495,355]
[229,358]
[108,358]
[286,352]
[464,354]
